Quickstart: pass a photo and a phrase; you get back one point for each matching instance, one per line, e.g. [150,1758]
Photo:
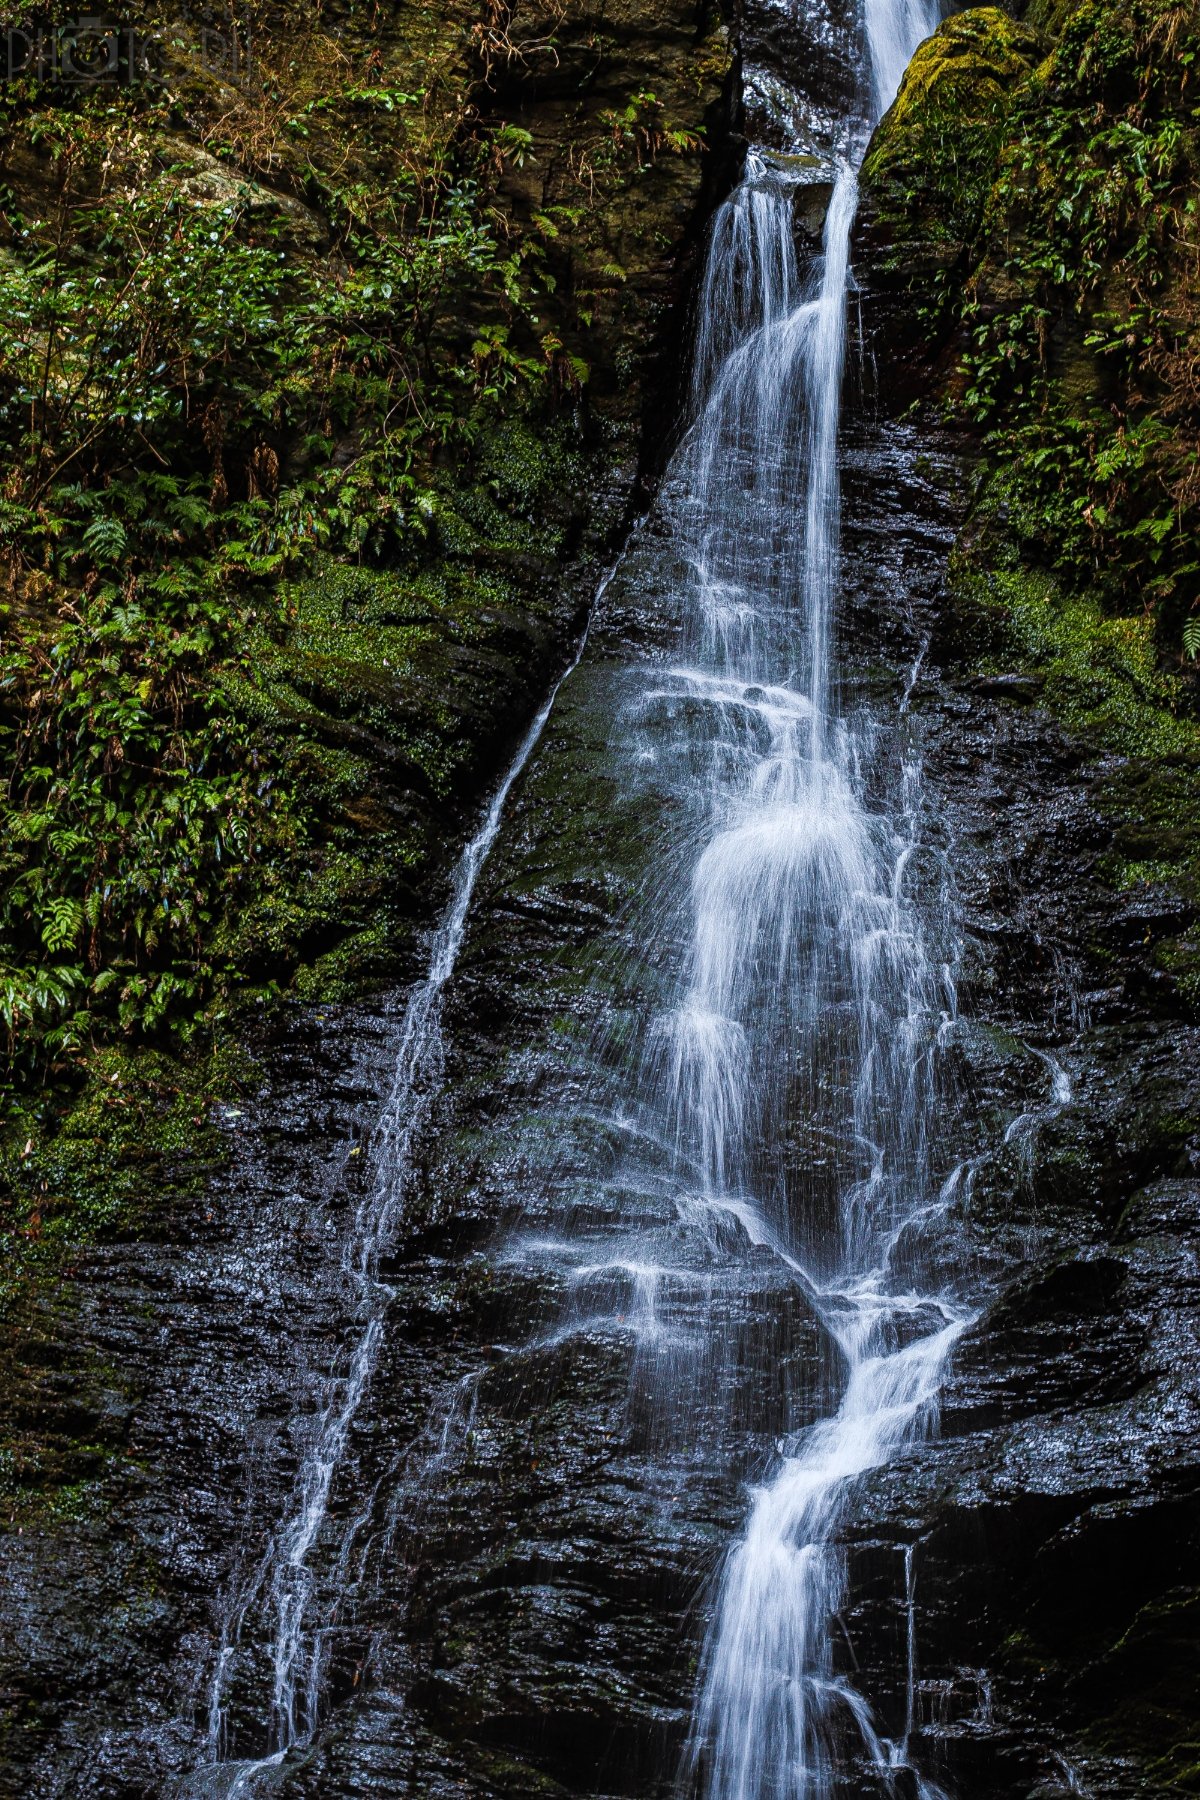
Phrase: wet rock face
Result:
[544,1495]
[172,1373]
[1053,1529]
[546,1501]
[1054,1525]
[800,93]
[544,1525]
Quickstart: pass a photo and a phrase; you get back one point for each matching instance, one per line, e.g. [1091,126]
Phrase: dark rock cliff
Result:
[390,701]
[1053,1531]
[527,1616]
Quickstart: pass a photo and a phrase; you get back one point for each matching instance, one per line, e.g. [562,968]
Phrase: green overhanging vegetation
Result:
[308,368]
[1043,189]
[1037,184]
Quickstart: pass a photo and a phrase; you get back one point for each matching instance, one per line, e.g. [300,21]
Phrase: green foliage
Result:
[1070,275]
[192,406]
[1089,212]
[290,407]
[641,129]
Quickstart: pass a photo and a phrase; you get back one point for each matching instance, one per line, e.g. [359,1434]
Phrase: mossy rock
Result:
[929,162]
[1129,719]
[971,59]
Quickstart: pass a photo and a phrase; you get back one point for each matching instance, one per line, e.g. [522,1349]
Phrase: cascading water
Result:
[807,954]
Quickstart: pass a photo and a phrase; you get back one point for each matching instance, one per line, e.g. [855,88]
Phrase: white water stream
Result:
[808,977]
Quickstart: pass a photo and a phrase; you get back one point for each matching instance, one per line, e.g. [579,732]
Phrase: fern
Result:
[189,512]
[1191,638]
[62,926]
[105,540]
[27,995]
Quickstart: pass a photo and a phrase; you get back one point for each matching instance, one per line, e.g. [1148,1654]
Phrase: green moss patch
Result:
[73,1170]
[930,162]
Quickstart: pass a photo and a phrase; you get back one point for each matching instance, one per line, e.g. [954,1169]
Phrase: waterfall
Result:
[786,1086]
[807,954]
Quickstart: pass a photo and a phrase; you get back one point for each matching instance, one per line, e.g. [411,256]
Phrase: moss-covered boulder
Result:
[928,169]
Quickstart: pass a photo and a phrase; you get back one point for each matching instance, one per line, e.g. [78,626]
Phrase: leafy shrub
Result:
[192,403]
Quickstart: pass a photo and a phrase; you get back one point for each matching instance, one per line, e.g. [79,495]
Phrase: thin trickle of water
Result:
[1022,1132]
[910,1647]
[278,1599]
